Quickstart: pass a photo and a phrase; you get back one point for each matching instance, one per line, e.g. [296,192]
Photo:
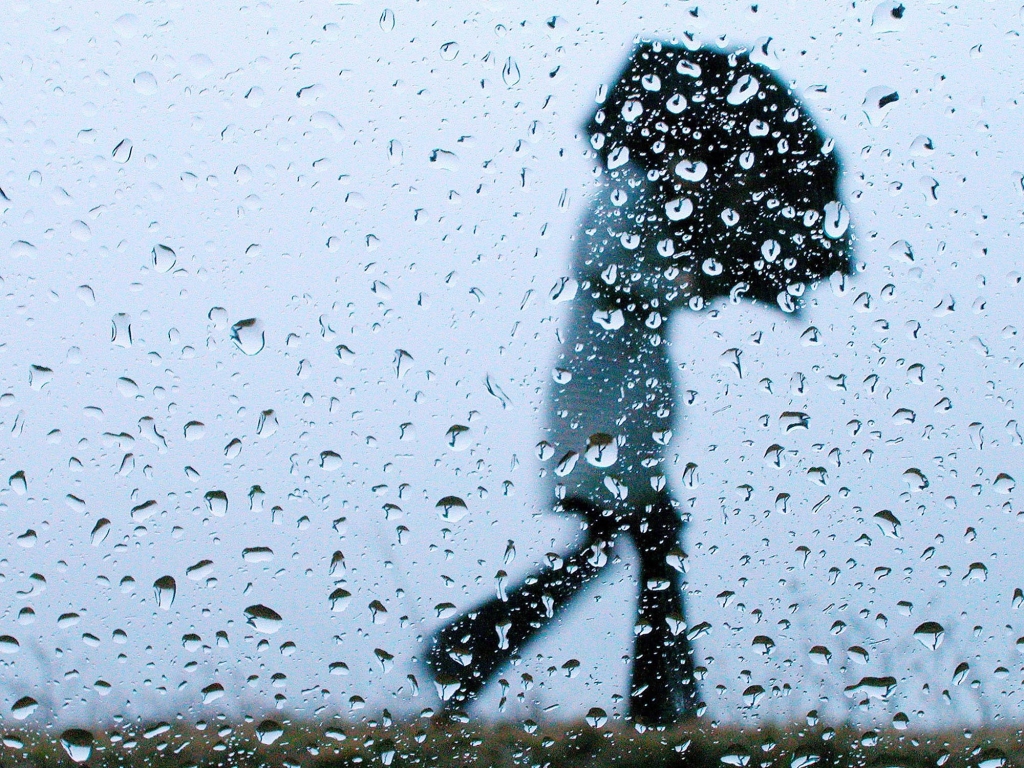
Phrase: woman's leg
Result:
[622,386]
[467,652]
[663,689]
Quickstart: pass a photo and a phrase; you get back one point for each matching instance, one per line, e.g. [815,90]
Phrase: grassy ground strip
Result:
[443,744]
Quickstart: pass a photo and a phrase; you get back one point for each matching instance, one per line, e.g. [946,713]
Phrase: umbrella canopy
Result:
[747,197]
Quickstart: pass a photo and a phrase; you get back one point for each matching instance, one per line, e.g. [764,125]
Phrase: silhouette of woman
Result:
[717,184]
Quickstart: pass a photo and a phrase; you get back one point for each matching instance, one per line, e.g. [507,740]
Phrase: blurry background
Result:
[258,261]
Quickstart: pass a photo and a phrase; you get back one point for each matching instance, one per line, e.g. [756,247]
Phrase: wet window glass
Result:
[497,384]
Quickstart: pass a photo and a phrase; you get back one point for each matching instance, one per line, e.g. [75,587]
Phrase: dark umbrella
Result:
[746,204]
[749,185]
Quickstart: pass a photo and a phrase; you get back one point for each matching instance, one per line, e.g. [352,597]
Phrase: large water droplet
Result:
[165,589]
[459,437]
[992,758]
[39,376]
[248,336]
[693,171]
[930,634]
[213,691]
[1003,483]
[269,731]
[263,619]
[258,554]
[752,694]
[888,523]
[330,461]
[820,655]
[916,479]
[878,101]
[378,612]
[744,89]
[679,209]
[122,152]
[80,231]
[403,362]
[267,424]
[24,707]
[121,330]
[216,502]
[21,248]
[510,73]
[164,258]
[452,508]
[596,717]
[872,687]
[77,743]
[447,686]
[145,83]
[200,570]
[340,599]
[100,531]
[18,483]
[602,450]
[126,25]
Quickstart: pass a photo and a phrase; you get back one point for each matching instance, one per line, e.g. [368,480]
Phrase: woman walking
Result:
[716,183]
